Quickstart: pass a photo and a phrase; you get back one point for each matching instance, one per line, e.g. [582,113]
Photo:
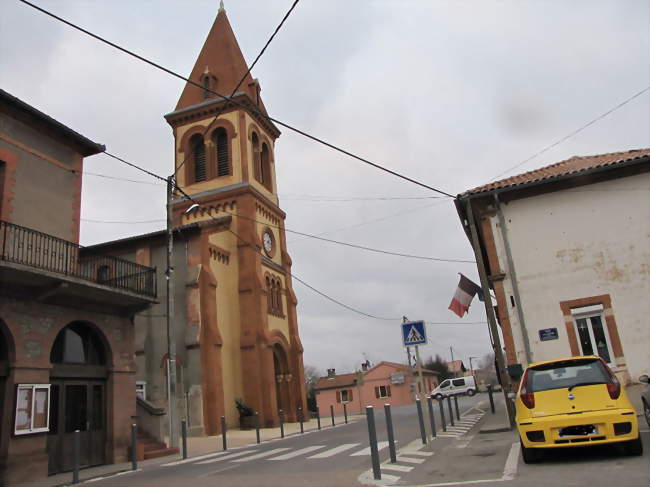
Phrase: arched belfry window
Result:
[77,343]
[220,141]
[255,142]
[198,157]
[274,296]
[265,167]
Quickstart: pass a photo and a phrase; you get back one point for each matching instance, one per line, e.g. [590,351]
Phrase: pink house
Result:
[385,383]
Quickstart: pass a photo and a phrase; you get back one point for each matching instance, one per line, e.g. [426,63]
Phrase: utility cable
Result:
[575,132]
[234,91]
[236,103]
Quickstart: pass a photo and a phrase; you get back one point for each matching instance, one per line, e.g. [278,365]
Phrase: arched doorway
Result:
[78,397]
[282,378]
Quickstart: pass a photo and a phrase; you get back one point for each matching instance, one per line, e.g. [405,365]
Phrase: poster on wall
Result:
[32,408]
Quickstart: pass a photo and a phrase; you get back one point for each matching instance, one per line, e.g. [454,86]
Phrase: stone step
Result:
[162,452]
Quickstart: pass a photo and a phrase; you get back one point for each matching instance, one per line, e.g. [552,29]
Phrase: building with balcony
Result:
[66,318]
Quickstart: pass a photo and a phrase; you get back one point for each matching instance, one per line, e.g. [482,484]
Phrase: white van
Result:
[450,387]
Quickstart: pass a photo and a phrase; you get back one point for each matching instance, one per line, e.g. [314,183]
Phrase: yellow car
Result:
[575,401]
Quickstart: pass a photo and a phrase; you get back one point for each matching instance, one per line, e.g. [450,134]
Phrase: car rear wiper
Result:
[584,384]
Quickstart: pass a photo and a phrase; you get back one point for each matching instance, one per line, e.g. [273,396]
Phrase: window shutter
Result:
[377,392]
[199,158]
[221,144]
[350,395]
[388,391]
[338,396]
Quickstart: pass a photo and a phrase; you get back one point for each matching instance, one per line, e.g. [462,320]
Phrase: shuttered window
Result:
[198,157]
[255,142]
[382,391]
[220,140]
[265,167]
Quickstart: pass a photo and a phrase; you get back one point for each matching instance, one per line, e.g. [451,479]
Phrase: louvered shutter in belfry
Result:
[221,143]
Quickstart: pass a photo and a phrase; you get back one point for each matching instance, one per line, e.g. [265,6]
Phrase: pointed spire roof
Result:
[222,58]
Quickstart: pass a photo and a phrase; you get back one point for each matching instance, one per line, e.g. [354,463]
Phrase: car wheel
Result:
[633,448]
[471,392]
[646,410]
[530,455]
[438,396]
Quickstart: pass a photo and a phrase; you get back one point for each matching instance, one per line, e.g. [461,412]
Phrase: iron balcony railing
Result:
[32,248]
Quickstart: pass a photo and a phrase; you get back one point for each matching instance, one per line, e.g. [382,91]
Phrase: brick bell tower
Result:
[246,323]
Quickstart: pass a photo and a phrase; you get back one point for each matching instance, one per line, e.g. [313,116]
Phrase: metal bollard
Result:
[443,421]
[257,426]
[281,423]
[332,413]
[345,412]
[391,435]
[302,419]
[318,417]
[224,432]
[423,431]
[75,458]
[184,437]
[451,413]
[489,388]
[134,447]
[456,406]
[432,420]
[372,437]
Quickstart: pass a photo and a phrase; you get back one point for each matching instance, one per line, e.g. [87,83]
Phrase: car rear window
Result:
[559,375]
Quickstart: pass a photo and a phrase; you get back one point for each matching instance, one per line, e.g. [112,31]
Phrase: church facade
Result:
[235,323]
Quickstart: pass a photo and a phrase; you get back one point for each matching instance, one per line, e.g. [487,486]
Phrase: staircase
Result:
[149,447]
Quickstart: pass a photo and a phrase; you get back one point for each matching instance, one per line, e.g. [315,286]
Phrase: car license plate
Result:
[580,430]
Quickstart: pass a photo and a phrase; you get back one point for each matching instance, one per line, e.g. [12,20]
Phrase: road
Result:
[332,457]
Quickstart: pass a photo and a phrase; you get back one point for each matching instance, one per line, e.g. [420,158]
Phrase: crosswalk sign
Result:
[414,333]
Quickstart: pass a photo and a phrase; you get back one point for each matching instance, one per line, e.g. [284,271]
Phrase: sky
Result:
[449,93]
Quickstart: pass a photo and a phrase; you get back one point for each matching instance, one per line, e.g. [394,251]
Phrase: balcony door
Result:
[78,399]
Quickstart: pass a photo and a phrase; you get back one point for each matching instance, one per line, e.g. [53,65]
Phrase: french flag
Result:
[463,296]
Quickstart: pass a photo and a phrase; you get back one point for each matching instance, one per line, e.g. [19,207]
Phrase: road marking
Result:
[396,468]
[334,451]
[366,451]
[194,459]
[225,457]
[261,455]
[214,472]
[297,453]
[420,453]
[510,470]
[410,460]
[464,442]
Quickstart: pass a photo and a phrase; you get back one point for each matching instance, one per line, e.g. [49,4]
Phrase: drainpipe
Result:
[513,279]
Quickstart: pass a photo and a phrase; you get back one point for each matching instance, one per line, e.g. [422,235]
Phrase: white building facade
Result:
[568,254]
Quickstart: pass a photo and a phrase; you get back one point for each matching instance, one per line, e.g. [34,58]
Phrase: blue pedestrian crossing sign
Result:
[414,333]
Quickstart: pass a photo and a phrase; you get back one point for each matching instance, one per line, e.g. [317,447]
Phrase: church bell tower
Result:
[242,306]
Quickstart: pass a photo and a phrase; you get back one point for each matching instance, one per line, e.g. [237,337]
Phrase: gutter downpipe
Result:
[513,279]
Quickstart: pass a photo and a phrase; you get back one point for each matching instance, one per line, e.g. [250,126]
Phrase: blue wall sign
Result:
[548,334]
[414,333]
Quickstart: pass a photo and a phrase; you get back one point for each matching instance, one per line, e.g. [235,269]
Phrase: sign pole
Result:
[419,368]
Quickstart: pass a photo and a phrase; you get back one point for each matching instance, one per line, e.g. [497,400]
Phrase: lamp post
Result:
[471,368]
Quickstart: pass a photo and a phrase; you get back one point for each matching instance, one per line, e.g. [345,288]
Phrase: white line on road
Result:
[194,459]
[334,451]
[420,453]
[396,468]
[510,470]
[222,469]
[225,457]
[261,455]
[297,453]
[366,451]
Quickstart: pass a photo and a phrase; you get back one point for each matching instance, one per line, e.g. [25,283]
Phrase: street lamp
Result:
[471,368]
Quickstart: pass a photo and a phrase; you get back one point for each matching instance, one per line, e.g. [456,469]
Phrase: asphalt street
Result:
[331,457]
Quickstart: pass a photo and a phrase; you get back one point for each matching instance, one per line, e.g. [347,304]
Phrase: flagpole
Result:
[498,351]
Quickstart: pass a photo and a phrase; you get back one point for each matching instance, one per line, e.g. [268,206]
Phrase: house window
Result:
[141,389]
[592,333]
[344,396]
[32,408]
[220,140]
[198,157]
[2,184]
[382,391]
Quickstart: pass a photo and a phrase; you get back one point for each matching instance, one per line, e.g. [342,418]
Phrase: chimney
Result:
[331,373]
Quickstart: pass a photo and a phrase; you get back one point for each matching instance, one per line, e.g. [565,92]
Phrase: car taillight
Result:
[614,389]
[528,398]
[614,386]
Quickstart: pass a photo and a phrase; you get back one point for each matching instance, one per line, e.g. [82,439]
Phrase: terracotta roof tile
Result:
[574,165]
[340,380]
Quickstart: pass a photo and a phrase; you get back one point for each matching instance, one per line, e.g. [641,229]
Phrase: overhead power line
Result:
[235,102]
[575,132]
[128,222]
[277,29]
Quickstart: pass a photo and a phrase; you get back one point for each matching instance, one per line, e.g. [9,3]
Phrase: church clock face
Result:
[267,241]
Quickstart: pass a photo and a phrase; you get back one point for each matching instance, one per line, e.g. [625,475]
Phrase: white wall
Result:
[578,243]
